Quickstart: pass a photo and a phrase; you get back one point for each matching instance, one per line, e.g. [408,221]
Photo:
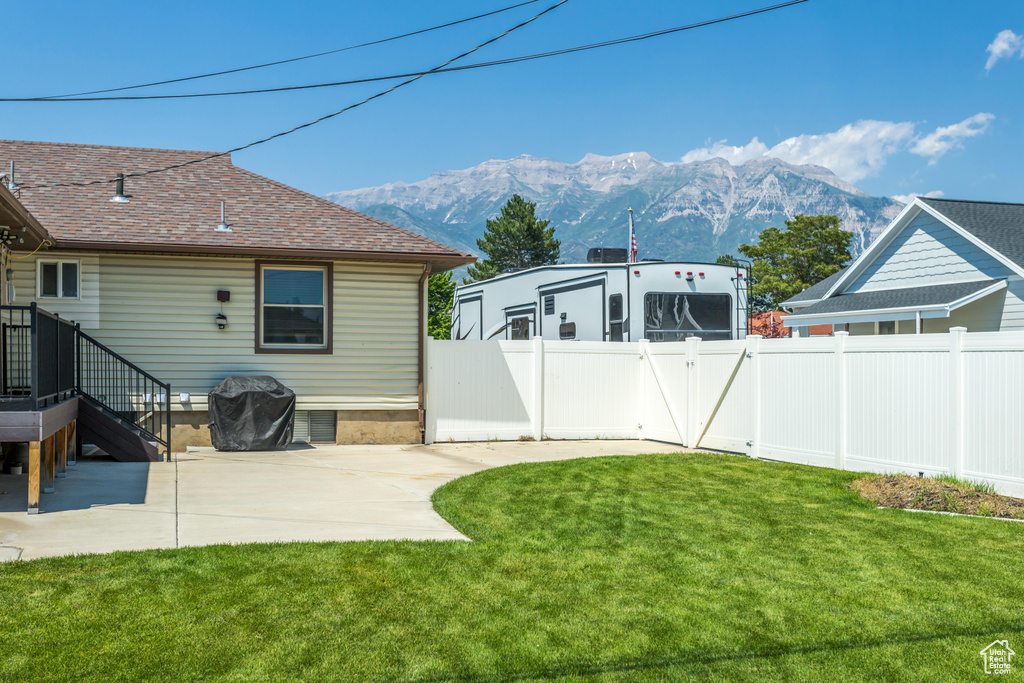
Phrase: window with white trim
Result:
[58,279]
[293,307]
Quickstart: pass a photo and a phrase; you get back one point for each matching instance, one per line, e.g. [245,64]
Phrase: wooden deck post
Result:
[72,441]
[62,452]
[34,472]
[48,464]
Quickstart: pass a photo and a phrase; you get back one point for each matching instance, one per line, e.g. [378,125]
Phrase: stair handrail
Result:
[165,386]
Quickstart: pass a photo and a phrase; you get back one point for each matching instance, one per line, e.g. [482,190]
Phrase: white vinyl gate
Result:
[934,403]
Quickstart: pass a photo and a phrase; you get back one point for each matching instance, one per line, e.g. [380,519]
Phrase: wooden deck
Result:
[52,438]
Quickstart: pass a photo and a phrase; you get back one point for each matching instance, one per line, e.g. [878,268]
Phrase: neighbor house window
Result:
[293,308]
[58,279]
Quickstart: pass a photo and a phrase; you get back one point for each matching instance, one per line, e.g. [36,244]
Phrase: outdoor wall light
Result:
[222,321]
[185,397]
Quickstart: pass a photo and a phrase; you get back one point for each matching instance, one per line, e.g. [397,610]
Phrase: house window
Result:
[58,279]
[674,317]
[293,308]
[887,327]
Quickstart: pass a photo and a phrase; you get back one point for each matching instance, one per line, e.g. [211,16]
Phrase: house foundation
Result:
[192,428]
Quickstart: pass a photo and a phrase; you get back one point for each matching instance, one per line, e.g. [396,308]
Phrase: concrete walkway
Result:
[327,493]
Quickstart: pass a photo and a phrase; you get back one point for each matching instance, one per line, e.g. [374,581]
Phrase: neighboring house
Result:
[941,263]
[328,301]
[772,325]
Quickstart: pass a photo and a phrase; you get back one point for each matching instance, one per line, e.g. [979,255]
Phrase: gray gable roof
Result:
[999,225]
[909,297]
[816,291]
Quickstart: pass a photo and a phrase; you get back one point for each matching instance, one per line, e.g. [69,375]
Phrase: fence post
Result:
[429,400]
[538,388]
[753,344]
[33,345]
[841,417]
[692,415]
[956,388]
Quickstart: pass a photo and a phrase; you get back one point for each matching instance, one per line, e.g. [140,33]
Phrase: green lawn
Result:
[677,567]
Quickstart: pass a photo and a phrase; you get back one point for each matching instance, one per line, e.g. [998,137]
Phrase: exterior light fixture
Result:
[222,226]
[119,195]
[185,397]
[222,321]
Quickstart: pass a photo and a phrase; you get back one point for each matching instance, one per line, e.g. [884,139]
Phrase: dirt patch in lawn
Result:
[919,493]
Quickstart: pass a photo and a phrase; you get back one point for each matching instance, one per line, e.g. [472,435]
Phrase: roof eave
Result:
[9,204]
[439,261]
[895,313]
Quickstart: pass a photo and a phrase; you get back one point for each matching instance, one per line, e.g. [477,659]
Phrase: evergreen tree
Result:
[786,262]
[515,239]
[440,293]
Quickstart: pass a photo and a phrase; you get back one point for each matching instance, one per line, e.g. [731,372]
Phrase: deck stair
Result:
[114,435]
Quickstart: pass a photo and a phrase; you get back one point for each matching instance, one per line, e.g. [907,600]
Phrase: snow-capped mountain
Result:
[693,211]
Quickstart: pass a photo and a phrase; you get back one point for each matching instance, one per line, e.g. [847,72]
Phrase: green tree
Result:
[515,239]
[440,293]
[727,260]
[786,262]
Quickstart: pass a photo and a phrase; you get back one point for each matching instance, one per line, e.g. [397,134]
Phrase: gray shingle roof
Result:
[999,225]
[815,291]
[910,297]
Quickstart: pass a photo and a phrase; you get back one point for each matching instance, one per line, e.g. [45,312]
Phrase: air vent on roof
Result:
[222,226]
[119,195]
[11,185]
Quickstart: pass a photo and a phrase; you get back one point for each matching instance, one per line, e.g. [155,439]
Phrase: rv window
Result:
[567,331]
[519,328]
[294,308]
[674,317]
[549,304]
[614,331]
[615,308]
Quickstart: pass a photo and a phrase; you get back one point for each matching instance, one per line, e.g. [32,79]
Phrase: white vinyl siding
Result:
[927,252]
[159,313]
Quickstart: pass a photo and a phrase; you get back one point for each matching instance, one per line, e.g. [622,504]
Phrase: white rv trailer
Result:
[655,300]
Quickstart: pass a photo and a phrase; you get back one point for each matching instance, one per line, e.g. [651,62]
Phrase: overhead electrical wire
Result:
[465,67]
[298,59]
[314,122]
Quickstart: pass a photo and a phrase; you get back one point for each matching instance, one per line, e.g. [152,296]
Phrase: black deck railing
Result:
[45,359]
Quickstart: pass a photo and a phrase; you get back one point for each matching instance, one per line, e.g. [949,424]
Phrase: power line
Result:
[294,59]
[465,67]
[314,122]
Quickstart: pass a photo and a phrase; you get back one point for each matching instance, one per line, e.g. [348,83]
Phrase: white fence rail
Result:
[951,403]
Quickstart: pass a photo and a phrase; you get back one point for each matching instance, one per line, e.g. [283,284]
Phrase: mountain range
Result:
[683,211]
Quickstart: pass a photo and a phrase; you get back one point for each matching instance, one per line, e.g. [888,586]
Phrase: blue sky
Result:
[897,97]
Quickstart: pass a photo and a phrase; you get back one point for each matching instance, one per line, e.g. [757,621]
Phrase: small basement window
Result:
[293,312]
[58,280]
[315,426]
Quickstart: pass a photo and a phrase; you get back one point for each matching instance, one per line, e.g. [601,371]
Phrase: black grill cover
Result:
[251,414]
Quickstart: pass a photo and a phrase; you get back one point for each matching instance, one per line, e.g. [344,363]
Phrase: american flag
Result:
[632,239]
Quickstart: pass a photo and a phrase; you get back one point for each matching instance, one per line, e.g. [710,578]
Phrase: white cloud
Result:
[945,138]
[907,198]
[855,151]
[734,155]
[1006,44]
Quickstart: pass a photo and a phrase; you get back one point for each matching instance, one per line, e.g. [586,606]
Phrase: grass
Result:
[660,567]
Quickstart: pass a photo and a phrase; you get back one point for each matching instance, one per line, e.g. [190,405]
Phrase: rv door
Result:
[470,318]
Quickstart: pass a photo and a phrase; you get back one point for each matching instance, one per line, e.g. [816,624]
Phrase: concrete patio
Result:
[205,497]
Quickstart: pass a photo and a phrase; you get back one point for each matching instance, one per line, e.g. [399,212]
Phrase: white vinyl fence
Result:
[933,403]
